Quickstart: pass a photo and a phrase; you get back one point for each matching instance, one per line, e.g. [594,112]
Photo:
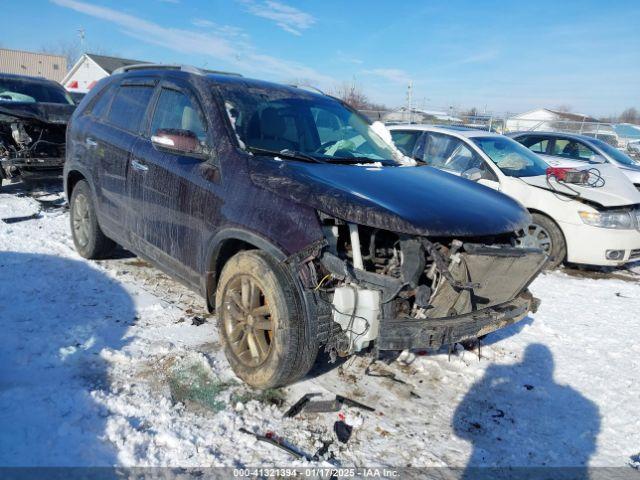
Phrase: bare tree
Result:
[630,115]
[65,48]
[564,108]
[352,94]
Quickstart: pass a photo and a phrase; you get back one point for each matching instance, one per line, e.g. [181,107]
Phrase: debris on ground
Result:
[276,441]
[323,406]
[297,407]
[342,431]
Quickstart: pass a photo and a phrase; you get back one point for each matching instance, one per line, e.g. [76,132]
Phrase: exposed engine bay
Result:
[400,291]
[32,142]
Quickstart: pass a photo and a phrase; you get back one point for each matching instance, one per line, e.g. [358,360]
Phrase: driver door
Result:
[170,187]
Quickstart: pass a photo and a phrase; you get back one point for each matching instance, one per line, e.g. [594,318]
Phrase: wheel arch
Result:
[224,245]
[560,228]
[72,178]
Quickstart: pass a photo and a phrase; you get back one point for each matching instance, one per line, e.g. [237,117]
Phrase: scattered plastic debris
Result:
[342,431]
[271,438]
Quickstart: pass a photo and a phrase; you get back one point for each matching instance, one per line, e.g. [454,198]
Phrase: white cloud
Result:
[237,51]
[288,18]
[343,57]
[393,75]
[203,23]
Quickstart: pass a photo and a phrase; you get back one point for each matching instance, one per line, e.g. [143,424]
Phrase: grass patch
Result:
[270,396]
[195,384]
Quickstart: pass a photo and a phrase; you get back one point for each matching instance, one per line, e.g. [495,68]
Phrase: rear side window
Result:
[535,144]
[405,140]
[175,110]
[129,106]
[101,105]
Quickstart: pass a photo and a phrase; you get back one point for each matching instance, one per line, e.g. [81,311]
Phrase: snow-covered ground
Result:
[101,363]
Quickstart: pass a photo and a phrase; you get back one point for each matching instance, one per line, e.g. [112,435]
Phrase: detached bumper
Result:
[405,333]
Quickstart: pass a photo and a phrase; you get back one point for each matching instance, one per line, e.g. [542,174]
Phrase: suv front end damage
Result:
[398,291]
[32,139]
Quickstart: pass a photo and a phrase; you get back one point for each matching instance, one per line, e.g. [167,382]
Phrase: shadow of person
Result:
[58,317]
[517,416]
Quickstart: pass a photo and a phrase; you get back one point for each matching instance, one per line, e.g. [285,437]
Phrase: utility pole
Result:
[81,33]
[410,100]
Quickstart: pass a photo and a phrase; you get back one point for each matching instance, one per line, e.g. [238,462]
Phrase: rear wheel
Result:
[88,238]
[262,322]
[545,234]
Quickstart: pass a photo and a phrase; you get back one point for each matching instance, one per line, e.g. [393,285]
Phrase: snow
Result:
[102,365]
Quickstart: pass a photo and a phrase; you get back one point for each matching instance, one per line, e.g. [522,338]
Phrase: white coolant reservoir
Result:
[364,326]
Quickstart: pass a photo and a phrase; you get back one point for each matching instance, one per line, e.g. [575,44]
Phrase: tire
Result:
[265,350]
[88,238]
[545,233]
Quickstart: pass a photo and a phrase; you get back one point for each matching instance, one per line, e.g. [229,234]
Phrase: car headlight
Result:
[621,219]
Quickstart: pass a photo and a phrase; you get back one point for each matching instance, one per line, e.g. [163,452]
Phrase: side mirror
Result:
[597,158]
[178,141]
[474,174]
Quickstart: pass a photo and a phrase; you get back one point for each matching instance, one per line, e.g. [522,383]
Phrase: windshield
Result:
[512,158]
[17,90]
[303,125]
[614,153]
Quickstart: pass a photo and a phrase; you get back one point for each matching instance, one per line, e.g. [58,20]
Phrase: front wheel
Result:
[261,321]
[545,234]
[88,238]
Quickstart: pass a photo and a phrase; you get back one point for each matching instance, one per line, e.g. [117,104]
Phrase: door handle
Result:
[141,167]
[90,142]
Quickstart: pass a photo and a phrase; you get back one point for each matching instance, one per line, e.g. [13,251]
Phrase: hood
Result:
[617,190]
[412,200]
[57,113]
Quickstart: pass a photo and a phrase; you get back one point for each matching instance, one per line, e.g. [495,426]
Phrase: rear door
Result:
[112,139]
[173,190]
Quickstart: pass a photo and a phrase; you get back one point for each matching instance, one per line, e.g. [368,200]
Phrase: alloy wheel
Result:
[81,220]
[536,236]
[248,323]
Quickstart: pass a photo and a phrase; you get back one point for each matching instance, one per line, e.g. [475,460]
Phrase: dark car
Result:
[292,217]
[33,119]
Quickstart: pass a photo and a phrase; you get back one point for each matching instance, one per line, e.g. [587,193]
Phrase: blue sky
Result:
[507,56]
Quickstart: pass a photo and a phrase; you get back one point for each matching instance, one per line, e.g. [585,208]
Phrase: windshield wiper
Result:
[286,153]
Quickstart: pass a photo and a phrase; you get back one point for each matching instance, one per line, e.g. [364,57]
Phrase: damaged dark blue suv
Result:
[297,220]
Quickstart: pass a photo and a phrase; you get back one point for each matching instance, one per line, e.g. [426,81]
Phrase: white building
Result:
[91,68]
[546,119]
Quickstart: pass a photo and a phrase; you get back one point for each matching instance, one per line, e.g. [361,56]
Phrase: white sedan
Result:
[593,223]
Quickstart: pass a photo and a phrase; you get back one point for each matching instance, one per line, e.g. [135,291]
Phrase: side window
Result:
[453,155]
[405,140]
[328,125]
[572,149]
[129,106]
[101,105]
[175,110]
[535,144]
[438,148]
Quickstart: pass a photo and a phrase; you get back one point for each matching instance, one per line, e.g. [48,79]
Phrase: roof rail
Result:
[308,87]
[166,66]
